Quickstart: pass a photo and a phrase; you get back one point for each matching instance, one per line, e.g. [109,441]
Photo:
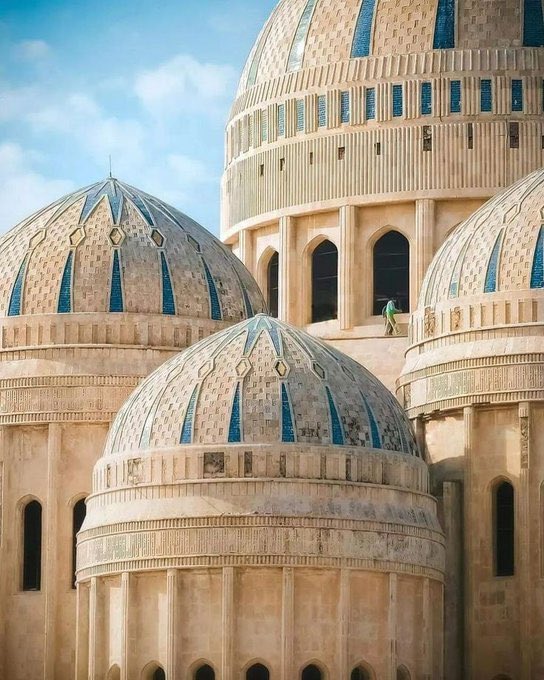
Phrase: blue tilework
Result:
[344,107]
[533,23]
[517,95]
[168,304]
[537,271]
[322,110]
[426,102]
[276,339]
[398,106]
[264,126]
[142,207]
[94,195]
[337,435]
[235,425]
[187,429]
[296,55]
[455,96]
[456,274]
[215,305]
[254,329]
[444,29]
[16,298]
[374,430]
[281,119]
[362,37]
[300,115]
[491,275]
[115,198]
[486,96]
[255,62]
[370,103]
[287,429]
[116,292]
[65,295]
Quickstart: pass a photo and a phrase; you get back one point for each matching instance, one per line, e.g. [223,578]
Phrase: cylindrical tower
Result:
[362,132]
[474,384]
[96,291]
[260,511]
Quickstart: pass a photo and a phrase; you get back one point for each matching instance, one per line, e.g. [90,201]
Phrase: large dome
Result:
[261,382]
[112,248]
[311,33]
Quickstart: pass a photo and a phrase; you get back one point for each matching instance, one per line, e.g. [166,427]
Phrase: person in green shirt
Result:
[388,313]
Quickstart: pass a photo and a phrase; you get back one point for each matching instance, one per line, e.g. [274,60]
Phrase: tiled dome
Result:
[113,248]
[261,382]
[500,248]
[309,33]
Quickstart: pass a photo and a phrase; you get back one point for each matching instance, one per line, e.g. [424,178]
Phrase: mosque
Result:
[214,464]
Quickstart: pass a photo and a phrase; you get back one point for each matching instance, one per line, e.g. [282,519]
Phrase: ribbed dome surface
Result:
[499,248]
[112,248]
[261,382]
[309,33]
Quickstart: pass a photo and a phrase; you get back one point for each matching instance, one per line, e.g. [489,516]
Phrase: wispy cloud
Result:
[32,50]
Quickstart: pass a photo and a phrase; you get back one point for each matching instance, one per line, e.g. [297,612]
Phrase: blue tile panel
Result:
[65,296]
[322,110]
[444,28]
[455,96]
[296,55]
[116,291]
[492,267]
[287,429]
[255,62]
[397,101]
[537,271]
[235,425]
[533,23]
[362,37]
[300,115]
[370,103]
[374,430]
[215,305]
[247,301]
[168,304]
[16,298]
[142,207]
[426,103]
[281,119]
[337,435]
[187,429]
[486,96]
[517,95]
[253,331]
[344,107]
[264,126]
[276,339]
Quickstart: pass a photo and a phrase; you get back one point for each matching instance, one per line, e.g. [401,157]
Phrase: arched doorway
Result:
[204,672]
[360,673]
[311,672]
[391,266]
[503,520]
[324,282]
[258,672]
[32,546]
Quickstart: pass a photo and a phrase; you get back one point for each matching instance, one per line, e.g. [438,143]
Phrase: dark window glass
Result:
[504,530]
[324,282]
[32,546]
[311,673]
[402,673]
[391,272]
[78,515]
[205,673]
[273,289]
[513,134]
[159,674]
[455,96]
[359,673]
[257,672]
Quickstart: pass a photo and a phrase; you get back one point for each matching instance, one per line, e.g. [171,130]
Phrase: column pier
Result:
[346,273]
[287,275]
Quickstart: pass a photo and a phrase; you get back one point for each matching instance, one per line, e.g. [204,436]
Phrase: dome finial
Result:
[111,176]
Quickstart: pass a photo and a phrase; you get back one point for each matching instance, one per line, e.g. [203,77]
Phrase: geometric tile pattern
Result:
[261,382]
[444,32]
[107,235]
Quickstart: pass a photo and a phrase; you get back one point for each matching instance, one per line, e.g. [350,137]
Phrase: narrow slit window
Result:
[517,95]
[370,103]
[344,107]
[486,95]
[32,546]
[398,104]
[426,103]
[273,285]
[378,148]
[470,136]
[341,153]
[503,503]
[455,96]
[78,515]
[513,135]
[427,138]
[282,164]
[324,282]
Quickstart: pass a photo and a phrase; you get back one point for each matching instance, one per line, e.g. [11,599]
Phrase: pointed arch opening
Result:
[204,672]
[114,673]
[403,673]
[360,672]
[272,287]
[391,266]
[78,515]
[324,282]
[503,529]
[257,672]
[32,546]
[311,672]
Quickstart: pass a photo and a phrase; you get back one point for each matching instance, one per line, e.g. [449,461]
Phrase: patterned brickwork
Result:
[407,25]
[477,29]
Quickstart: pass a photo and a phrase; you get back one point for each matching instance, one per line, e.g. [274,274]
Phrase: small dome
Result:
[261,382]
[307,33]
[113,248]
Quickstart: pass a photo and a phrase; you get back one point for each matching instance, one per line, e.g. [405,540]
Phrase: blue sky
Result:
[149,82]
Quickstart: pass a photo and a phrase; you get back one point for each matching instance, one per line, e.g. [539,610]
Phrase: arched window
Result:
[273,288]
[359,673]
[403,673]
[114,673]
[391,260]
[503,511]
[78,515]
[311,672]
[257,672]
[159,674]
[205,673]
[324,282]
[32,546]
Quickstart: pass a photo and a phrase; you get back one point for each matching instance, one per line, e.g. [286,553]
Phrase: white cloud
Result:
[183,83]
[16,102]
[22,189]
[32,50]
